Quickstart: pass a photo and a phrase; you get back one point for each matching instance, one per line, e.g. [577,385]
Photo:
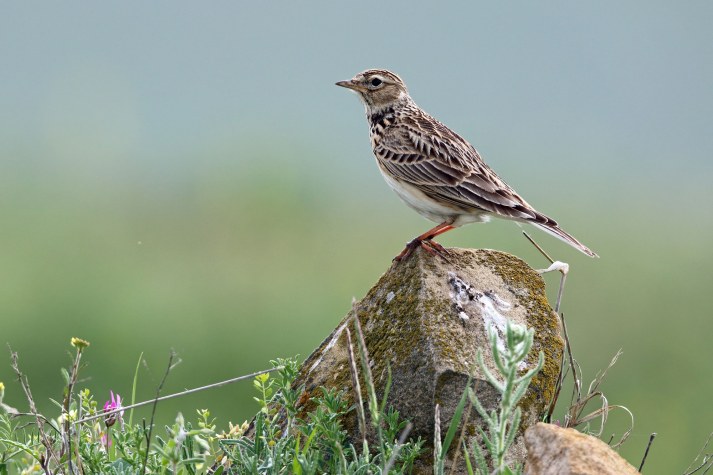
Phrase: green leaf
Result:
[457,415]
[387,388]
[65,375]
[133,389]
[309,440]
[296,467]
[466,456]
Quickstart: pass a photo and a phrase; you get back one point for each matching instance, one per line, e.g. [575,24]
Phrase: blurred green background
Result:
[187,176]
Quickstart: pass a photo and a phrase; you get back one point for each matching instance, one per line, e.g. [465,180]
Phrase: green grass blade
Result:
[133,388]
[457,415]
[466,456]
[296,467]
[387,388]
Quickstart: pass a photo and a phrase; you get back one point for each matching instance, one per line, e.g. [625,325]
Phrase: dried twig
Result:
[648,446]
[169,367]
[539,248]
[578,402]
[437,447]
[357,387]
[707,459]
[179,394]
[24,383]
[375,410]
[562,267]
[67,426]
[397,449]
[560,292]
[577,390]
[574,416]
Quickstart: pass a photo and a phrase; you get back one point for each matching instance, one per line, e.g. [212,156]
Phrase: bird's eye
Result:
[376,82]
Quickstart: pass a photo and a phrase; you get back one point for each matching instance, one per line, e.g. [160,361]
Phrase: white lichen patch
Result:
[329,346]
[493,310]
[462,294]
[390,296]
[491,307]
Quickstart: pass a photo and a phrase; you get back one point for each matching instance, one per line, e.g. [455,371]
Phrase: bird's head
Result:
[377,88]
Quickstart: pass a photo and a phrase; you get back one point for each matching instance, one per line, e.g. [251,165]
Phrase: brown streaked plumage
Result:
[433,169]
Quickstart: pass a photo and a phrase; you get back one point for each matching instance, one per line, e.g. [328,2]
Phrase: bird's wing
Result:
[428,155]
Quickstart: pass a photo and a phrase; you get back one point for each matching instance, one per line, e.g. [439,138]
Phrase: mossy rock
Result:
[425,321]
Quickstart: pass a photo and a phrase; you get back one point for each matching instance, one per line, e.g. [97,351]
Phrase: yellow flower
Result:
[79,343]
[235,430]
[72,416]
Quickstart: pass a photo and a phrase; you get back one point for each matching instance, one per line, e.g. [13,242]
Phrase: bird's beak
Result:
[350,84]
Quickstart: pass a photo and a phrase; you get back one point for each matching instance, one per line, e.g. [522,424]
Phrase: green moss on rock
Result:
[412,326]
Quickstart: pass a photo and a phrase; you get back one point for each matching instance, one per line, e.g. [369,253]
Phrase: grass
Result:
[144,268]
[84,436]
[87,437]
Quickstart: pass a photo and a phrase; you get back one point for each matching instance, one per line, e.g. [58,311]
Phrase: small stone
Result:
[552,450]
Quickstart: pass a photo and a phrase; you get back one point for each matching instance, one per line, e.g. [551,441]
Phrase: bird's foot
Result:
[428,245]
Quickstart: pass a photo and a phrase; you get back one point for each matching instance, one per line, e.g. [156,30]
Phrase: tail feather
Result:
[561,234]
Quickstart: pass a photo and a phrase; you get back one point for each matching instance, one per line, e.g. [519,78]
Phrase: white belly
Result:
[431,209]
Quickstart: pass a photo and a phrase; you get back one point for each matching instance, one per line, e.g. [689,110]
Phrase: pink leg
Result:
[426,241]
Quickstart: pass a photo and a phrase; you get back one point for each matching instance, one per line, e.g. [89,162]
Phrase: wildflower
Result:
[235,431]
[71,416]
[78,343]
[181,436]
[4,407]
[113,405]
[105,440]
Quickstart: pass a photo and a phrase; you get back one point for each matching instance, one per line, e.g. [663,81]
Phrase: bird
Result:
[434,170]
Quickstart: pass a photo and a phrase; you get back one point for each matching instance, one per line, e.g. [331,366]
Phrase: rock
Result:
[425,320]
[552,450]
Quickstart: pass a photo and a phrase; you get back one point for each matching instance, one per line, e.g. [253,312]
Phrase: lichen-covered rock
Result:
[425,320]
[552,450]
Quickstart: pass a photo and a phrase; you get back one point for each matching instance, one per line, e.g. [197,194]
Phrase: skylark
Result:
[434,170]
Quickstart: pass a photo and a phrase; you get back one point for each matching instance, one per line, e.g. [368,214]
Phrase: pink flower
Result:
[105,440]
[113,405]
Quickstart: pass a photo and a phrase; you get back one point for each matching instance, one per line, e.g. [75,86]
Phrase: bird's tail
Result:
[561,234]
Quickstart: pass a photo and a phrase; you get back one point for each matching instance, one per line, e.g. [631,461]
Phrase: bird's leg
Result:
[426,242]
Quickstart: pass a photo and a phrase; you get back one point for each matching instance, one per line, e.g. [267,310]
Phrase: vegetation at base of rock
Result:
[72,441]
[502,425]
[304,427]
[285,442]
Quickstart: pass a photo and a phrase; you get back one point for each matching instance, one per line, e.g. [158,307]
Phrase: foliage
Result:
[503,424]
[85,438]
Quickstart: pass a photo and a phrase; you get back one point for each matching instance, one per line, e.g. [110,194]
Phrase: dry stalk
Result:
[39,420]
[357,387]
[397,448]
[646,454]
[706,462]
